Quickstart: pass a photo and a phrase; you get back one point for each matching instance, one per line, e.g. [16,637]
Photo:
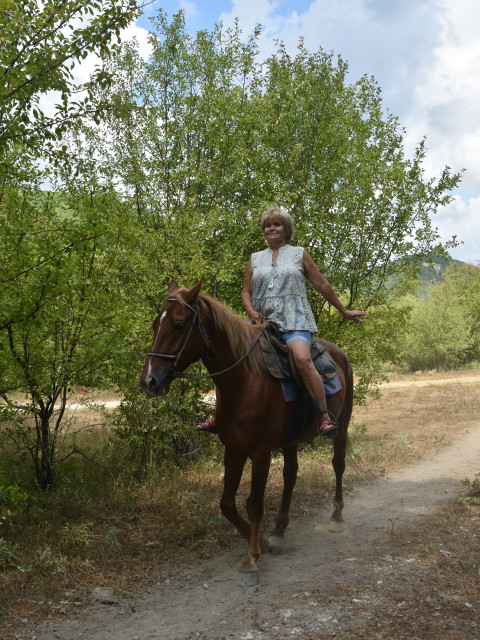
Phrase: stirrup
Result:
[208,426]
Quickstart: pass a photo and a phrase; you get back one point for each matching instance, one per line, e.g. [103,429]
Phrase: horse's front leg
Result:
[234,464]
[337,522]
[248,574]
[290,469]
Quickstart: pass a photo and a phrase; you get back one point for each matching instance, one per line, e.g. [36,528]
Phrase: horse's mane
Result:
[238,332]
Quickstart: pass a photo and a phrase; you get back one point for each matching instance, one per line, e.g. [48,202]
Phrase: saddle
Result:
[280,365]
[279,361]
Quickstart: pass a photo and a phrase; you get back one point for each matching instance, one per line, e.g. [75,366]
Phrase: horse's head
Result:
[178,340]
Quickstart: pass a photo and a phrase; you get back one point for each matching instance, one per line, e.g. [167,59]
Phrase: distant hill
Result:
[430,273]
[433,272]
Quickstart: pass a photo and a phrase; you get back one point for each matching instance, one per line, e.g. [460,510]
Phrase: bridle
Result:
[174,371]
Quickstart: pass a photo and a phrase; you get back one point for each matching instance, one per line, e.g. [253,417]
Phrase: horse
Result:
[252,417]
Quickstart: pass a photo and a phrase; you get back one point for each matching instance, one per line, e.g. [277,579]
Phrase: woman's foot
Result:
[327,426]
[209,426]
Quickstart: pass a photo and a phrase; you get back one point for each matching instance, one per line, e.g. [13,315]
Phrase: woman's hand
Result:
[256,317]
[356,316]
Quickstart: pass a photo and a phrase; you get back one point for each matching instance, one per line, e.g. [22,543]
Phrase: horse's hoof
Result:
[336,527]
[247,578]
[277,544]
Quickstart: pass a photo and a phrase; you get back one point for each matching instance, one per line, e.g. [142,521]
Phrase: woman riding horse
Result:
[274,289]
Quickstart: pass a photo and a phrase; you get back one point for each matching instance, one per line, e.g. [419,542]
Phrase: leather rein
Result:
[174,372]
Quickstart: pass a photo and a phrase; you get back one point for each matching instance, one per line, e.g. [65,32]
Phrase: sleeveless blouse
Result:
[278,289]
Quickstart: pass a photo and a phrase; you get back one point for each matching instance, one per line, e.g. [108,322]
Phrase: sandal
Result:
[328,427]
[209,426]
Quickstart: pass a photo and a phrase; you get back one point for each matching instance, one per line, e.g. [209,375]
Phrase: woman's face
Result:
[274,230]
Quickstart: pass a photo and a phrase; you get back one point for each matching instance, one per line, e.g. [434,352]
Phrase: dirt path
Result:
[303,592]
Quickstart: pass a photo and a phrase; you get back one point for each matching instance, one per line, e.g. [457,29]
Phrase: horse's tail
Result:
[346,412]
[348,404]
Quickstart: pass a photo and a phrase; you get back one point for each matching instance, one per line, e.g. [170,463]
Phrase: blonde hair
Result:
[277,213]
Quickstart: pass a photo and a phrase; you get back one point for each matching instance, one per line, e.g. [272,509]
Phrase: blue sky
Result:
[425,54]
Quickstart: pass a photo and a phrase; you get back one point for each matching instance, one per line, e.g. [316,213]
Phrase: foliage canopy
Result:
[165,175]
[205,134]
[45,41]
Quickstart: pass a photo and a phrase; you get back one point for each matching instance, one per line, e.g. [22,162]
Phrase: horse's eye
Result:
[179,326]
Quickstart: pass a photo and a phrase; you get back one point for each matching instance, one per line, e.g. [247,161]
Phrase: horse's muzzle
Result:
[155,384]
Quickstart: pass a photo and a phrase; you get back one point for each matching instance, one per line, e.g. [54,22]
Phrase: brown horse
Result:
[252,417]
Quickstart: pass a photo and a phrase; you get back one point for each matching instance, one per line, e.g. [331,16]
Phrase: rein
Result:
[176,373]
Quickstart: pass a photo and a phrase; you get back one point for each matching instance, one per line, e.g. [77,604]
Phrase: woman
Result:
[274,290]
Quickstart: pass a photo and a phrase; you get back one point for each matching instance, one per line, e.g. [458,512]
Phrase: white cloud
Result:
[446,102]
[461,218]
[189,8]
[250,13]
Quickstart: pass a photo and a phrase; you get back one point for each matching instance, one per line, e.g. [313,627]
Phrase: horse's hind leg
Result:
[337,522]
[290,469]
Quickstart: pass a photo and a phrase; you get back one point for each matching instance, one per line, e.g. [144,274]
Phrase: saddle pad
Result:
[292,392]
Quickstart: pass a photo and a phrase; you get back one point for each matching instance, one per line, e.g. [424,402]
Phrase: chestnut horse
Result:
[252,417]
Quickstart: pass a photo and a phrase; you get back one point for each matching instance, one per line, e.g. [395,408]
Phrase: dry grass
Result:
[73,540]
[425,412]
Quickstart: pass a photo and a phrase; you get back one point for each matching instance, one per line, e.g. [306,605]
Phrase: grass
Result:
[65,542]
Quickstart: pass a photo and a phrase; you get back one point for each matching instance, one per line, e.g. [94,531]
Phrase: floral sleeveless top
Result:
[278,289]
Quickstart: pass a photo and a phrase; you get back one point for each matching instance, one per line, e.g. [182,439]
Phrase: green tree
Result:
[53,251]
[443,332]
[62,319]
[195,143]
[41,44]
[178,139]
[204,135]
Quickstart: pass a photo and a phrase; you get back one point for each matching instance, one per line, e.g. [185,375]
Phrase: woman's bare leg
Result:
[313,383]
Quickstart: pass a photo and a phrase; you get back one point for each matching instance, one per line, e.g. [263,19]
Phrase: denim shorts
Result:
[290,336]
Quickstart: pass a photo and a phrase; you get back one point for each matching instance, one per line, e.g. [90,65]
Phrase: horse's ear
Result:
[191,296]
[172,287]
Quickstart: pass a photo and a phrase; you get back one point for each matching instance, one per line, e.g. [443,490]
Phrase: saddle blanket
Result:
[292,392]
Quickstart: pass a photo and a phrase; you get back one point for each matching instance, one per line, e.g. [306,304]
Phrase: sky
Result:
[425,55]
